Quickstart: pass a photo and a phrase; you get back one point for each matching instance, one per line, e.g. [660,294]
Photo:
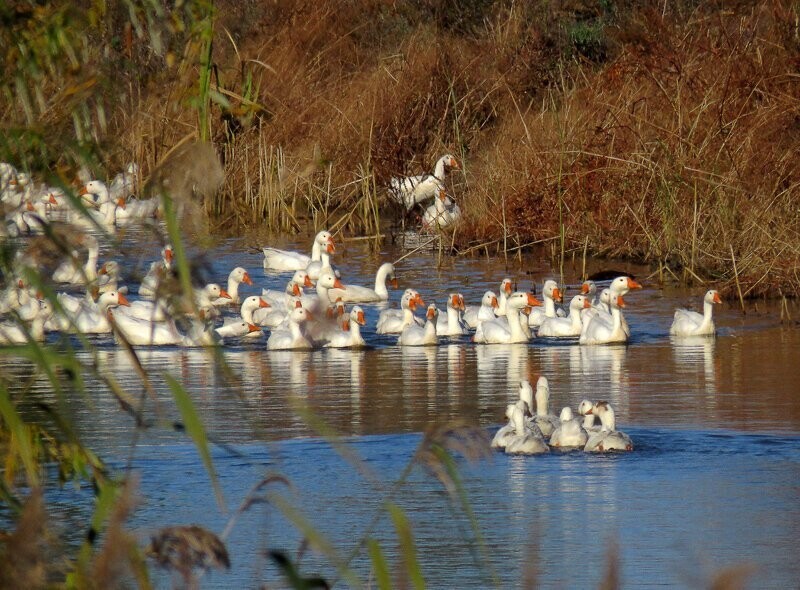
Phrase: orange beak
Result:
[224,294]
[329,313]
[584,288]
[393,282]
[20,284]
[717,298]
[168,254]
[419,300]
[252,328]
[29,206]
[532,301]
[633,284]
[247,280]
[430,314]
[307,282]
[121,202]
[331,247]
[589,411]
[557,296]
[360,318]
[103,270]
[586,304]
[263,303]
[454,163]
[346,326]
[338,284]
[412,305]
[309,315]
[83,191]
[507,287]
[494,303]
[52,200]
[297,304]
[295,290]
[620,301]
[123,300]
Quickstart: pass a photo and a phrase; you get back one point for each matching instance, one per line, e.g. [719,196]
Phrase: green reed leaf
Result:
[407,545]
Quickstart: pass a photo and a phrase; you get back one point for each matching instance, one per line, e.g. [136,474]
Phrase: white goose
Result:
[93,318]
[323,301]
[506,288]
[569,433]
[452,324]
[608,438]
[585,410]
[294,336]
[294,288]
[236,277]
[546,422]
[410,190]
[285,260]
[358,294]
[108,278]
[70,272]
[597,329]
[443,214]
[619,286]
[139,332]
[507,330]
[506,432]
[524,441]
[691,323]
[475,315]
[392,321]
[14,333]
[106,213]
[415,335]
[569,326]
[350,336]
[157,272]
[251,307]
[239,329]
[550,293]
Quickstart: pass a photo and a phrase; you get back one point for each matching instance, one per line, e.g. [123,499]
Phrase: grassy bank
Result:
[661,132]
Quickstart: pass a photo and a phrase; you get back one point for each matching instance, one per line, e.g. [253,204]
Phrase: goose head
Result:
[240,275]
[97,188]
[456,301]
[579,302]
[712,296]
[585,407]
[520,299]
[588,288]
[566,414]
[301,279]
[214,291]
[167,255]
[552,291]
[112,298]
[621,285]
[506,286]
[526,392]
[432,313]
[300,315]
[357,315]
[328,280]
[489,299]
[605,412]
[254,302]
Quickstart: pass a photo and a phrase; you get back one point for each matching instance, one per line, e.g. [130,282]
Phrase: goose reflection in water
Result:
[691,353]
[419,366]
[456,363]
[498,361]
[349,365]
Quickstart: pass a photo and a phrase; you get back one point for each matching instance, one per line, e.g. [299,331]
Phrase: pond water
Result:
[713,481]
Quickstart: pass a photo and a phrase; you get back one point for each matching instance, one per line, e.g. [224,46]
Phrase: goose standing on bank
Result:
[410,190]
[691,323]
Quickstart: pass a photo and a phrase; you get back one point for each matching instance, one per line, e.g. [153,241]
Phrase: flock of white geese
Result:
[529,433]
[297,318]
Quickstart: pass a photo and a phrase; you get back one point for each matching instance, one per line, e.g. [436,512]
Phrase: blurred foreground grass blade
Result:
[379,565]
[20,440]
[104,504]
[407,546]
[483,563]
[315,538]
[196,430]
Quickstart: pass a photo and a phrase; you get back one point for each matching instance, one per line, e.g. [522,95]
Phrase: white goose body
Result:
[239,329]
[13,333]
[507,330]
[546,421]
[475,315]
[570,326]
[415,335]
[585,409]
[236,277]
[443,214]
[71,273]
[691,323]
[293,337]
[550,294]
[608,438]
[350,336]
[289,260]
[524,441]
[358,294]
[569,433]
[294,288]
[597,329]
[452,324]
[393,321]
[158,270]
[410,190]
[93,318]
[506,432]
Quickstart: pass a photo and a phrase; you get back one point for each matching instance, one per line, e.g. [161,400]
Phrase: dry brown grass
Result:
[664,132]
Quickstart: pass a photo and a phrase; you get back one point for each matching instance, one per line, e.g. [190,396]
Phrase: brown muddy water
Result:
[713,481]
